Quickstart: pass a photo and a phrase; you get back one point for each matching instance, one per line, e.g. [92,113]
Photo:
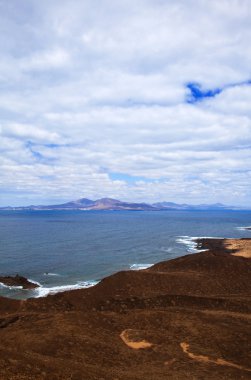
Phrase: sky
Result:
[146,100]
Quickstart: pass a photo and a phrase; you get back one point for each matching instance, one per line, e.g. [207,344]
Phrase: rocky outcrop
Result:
[17,281]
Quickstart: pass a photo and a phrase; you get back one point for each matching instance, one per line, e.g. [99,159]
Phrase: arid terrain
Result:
[187,318]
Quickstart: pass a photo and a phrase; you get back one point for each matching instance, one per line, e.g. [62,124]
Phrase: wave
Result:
[191,242]
[166,249]
[43,291]
[34,282]
[2,285]
[140,266]
[51,274]
[244,228]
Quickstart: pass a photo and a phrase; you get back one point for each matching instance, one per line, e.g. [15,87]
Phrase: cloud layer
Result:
[147,101]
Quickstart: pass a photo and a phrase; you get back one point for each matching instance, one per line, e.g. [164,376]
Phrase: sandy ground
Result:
[242,247]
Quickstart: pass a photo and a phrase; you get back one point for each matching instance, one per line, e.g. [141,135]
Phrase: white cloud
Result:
[234,101]
[28,132]
[93,88]
[46,60]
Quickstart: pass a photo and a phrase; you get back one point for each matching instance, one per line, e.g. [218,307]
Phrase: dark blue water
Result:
[60,248]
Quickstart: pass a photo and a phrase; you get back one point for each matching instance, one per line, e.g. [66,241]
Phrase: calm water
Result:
[63,249]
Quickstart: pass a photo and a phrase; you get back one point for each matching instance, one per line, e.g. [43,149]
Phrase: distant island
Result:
[117,205]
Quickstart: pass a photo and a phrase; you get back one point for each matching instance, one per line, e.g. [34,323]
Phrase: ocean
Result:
[64,250]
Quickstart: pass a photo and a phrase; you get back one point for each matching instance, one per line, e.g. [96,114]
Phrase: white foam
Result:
[34,282]
[140,266]
[244,228]
[2,285]
[45,291]
[166,249]
[191,242]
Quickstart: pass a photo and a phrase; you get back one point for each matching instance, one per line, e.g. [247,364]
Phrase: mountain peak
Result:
[108,201]
[84,201]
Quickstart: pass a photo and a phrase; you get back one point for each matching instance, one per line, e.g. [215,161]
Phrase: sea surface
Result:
[64,250]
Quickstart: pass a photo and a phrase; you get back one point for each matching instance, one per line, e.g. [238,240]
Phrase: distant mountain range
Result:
[114,204]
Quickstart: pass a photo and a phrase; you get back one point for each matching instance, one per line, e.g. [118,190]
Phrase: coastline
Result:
[192,313]
[31,288]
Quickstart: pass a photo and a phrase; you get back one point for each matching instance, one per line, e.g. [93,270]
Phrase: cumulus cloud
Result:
[95,100]
[45,60]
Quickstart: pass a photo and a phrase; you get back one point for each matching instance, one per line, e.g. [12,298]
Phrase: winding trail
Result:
[205,359]
[130,342]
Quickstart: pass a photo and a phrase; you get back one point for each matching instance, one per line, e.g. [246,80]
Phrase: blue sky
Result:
[140,101]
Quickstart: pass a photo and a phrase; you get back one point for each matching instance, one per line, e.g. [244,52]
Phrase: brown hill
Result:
[187,318]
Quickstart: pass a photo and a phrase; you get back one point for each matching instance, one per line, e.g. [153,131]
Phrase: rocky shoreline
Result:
[180,319]
[18,281]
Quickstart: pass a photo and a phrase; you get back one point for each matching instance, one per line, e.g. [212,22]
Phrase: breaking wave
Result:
[191,242]
[243,228]
[140,266]
[2,285]
[43,291]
